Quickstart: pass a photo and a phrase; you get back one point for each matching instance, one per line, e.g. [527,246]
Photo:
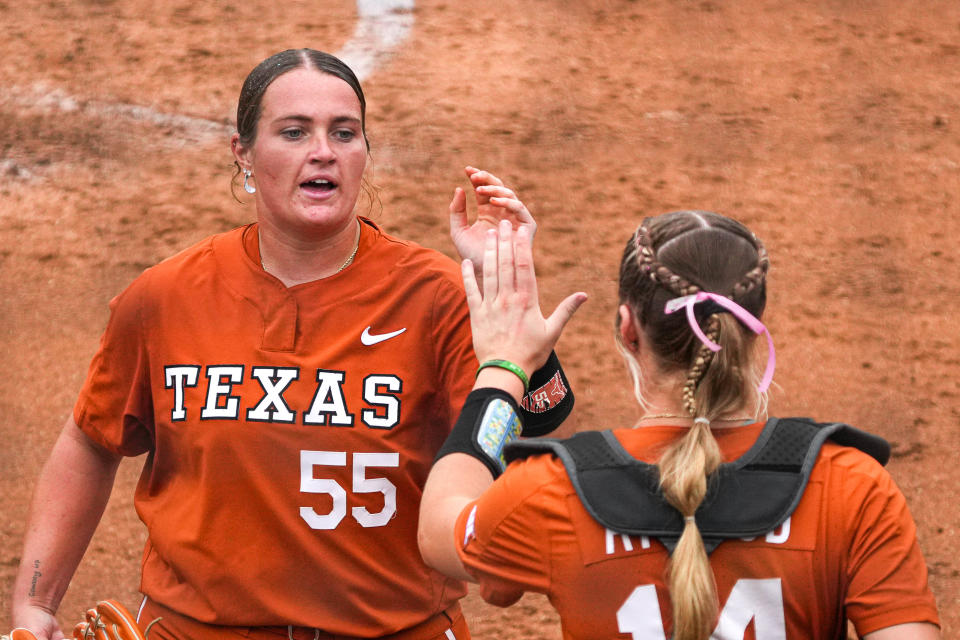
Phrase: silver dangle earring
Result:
[249,188]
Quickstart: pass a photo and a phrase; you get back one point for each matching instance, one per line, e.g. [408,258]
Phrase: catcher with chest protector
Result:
[707,519]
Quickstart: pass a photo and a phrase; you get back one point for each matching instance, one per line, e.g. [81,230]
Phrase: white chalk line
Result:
[382,25]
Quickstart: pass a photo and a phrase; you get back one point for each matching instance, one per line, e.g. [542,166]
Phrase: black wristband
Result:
[490,418]
[549,400]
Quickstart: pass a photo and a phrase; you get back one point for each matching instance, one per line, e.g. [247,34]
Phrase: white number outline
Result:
[361,484]
[760,600]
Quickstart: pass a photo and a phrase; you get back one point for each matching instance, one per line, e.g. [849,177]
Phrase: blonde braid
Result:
[700,365]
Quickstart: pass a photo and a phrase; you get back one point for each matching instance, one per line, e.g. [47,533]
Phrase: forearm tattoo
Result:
[36,578]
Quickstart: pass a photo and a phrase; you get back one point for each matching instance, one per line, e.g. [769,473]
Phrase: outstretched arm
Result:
[507,325]
[495,204]
[69,500]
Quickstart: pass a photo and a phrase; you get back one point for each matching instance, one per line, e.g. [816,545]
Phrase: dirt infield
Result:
[830,127]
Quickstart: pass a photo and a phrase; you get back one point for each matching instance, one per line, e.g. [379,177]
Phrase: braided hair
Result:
[669,256]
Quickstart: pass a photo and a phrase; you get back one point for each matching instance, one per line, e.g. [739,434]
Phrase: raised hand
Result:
[505,318]
[495,203]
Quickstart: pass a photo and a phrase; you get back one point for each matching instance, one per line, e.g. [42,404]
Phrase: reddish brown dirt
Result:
[829,127]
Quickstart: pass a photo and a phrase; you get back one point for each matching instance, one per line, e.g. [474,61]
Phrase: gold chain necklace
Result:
[346,263]
[349,259]
[651,416]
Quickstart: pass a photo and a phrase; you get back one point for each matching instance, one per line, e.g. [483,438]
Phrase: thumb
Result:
[563,313]
[458,212]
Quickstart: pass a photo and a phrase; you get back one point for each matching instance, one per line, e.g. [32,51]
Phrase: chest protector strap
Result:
[748,497]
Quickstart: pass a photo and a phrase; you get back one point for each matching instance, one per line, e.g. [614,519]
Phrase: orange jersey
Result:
[289,431]
[849,550]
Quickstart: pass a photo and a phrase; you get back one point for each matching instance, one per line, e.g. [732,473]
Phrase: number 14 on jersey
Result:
[758,600]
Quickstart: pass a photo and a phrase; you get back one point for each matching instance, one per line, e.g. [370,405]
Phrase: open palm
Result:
[495,202]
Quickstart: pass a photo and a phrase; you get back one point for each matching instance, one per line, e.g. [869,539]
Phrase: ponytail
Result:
[684,468]
[681,254]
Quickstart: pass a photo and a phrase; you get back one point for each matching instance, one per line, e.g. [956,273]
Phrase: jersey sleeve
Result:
[886,571]
[115,407]
[500,536]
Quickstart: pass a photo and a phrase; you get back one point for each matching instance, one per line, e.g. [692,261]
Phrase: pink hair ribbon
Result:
[739,313]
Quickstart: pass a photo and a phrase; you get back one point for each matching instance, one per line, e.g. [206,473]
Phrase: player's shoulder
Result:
[181,273]
[538,473]
[544,465]
[204,250]
[848,472]
[529,491]
[848,458]
[195,256]
[412,257]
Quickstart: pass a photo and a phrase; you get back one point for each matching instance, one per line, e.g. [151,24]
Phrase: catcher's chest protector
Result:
[748,497]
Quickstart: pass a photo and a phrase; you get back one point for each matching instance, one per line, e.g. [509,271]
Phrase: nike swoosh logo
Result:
[368,338]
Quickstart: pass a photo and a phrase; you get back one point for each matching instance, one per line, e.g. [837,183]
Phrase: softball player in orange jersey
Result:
[703,470]
[290,382]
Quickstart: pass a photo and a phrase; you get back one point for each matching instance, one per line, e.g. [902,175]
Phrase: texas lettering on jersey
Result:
[221,383]
[243,392]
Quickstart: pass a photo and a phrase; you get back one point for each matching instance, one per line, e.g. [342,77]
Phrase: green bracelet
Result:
[509,366]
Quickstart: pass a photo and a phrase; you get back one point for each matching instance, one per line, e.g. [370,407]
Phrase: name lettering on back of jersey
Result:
[619,543]
[224,391]
[612,537]
[778,536]
[599,544]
